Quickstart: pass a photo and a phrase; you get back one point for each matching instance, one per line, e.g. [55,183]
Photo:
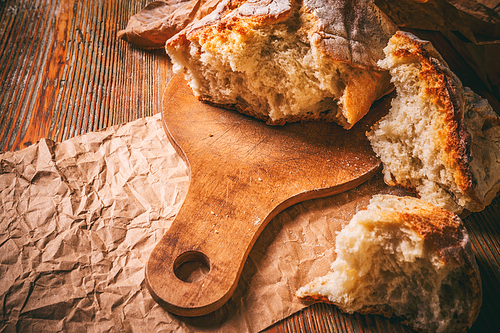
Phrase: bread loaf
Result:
[287,60]
[403,257]
[439,139]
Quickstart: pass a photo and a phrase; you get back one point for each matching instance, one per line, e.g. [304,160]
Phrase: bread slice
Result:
[403,257]
[439,139]
[287,60]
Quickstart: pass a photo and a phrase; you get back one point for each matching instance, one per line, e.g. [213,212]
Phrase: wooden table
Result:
[63,73]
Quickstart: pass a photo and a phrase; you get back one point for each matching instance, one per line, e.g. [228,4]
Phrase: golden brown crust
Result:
[444,90]
[442,228]
[233,16]
[449,238]
[362,89]
[361,81]
[368,28]
[443,233]
[316,298]
[381,309]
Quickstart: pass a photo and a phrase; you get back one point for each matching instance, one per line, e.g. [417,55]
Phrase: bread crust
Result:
[357,43]
[361,37]
[442,232]
[447,234]
[430,91]
[444,89]
[368,28]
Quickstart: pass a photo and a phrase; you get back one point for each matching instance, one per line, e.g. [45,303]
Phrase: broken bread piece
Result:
[287,60]
[403,257]
[439,139]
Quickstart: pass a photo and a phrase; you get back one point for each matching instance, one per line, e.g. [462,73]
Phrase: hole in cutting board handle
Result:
[191,266]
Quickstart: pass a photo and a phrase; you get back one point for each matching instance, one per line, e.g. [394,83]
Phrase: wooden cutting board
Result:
[242,174]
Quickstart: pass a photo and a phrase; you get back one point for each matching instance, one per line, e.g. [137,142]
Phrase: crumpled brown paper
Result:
[159,20]
[78,220]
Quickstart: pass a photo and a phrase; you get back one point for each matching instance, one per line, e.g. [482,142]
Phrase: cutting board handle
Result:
[215,247]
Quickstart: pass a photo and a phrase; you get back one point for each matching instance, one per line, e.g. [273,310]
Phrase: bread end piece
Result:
[403,257]
[439,139]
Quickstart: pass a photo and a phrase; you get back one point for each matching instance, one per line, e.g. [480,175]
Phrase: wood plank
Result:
[63,72]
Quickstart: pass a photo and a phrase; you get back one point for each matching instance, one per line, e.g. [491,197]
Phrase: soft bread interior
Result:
[271,71]
[384,267]
[406,140]
[275,72]
[440,139]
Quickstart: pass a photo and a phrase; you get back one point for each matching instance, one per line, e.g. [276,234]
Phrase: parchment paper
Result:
[78,220]
[160,20]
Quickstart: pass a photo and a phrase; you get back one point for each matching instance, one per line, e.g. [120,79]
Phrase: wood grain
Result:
[64,73]
[242,174]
